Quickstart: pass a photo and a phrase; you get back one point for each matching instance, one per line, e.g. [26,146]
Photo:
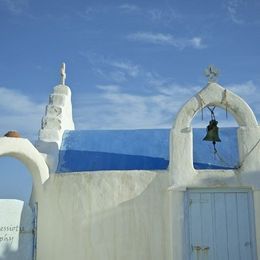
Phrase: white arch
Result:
[23,150]
[181,159]
[214,94]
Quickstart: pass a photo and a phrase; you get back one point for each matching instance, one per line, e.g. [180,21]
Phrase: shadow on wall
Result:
[137,228]
[8,254]
[16,230]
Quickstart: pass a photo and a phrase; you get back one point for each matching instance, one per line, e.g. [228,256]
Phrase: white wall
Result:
[105,215]
[141,214]
[135,215]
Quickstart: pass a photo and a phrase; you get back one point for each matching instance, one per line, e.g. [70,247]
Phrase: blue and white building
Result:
[145,194]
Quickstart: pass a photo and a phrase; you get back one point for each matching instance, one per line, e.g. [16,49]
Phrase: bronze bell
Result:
[212,132]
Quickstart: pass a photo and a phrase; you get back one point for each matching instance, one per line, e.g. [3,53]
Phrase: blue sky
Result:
[129,64]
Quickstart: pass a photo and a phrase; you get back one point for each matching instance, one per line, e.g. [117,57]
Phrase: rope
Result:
[250,151]
[201,104]
[221,159]
[216,153]
[224,101]
[212,112]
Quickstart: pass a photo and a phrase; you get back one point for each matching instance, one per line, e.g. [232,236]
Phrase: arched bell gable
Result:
[214,94]
[181,151]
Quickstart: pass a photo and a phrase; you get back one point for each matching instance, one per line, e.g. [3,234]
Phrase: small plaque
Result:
[16,230]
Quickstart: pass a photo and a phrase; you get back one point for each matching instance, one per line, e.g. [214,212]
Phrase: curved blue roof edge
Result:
[112,161]
[145,149]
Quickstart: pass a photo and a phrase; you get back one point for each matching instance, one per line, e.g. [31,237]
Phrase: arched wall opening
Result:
[16,180]
[18,211]
[181,151]
[25,152]
[225,154]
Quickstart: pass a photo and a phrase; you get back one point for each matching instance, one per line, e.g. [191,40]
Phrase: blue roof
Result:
[148,149]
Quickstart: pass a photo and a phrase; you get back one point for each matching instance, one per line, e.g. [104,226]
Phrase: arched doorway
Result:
[24,172]
[16,180]
[16,217]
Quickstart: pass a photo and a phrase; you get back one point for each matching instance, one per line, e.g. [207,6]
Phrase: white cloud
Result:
[15,6]
[131,69]
[249,92]
[114,108]
[19,113]
[166,39]
[196,42]
[117,76]
[165,16]
[155,14]
[112,69]
[152,103]
[88,13]
[232,9]
[157,38]
[110,88]
[129,8]
[247,89]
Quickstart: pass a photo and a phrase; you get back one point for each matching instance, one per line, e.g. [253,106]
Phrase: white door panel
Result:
[220,225]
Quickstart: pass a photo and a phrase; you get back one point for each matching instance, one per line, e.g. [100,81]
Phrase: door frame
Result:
[223,190]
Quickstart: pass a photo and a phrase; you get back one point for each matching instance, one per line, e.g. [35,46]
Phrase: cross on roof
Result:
[63,73]
[211,73]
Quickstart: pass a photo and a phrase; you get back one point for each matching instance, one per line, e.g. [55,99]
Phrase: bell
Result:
[212,132]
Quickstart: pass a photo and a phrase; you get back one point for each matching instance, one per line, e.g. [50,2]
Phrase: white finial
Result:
[211,73]
[63,73]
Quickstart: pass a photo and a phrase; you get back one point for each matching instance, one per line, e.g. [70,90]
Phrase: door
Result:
[220,225]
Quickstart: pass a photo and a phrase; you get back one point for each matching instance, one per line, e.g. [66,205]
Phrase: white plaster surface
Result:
[182,173]
[135,215]
[105,215]
[16,226]
[23,150]
[142,214]
[121,215]
[58,115]
[181,147]
[57,119]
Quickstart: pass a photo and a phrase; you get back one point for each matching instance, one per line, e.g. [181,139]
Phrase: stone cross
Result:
[63,73]
[211,73]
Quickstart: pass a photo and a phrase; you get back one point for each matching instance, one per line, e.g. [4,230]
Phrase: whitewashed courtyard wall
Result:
[182,174]
[138,214]
[105,215]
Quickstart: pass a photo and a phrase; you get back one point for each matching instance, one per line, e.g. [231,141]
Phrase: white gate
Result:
[220,225]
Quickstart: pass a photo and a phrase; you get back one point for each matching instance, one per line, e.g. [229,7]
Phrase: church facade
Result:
[144,194]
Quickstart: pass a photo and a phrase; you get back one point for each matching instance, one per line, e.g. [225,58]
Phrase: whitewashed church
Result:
[153,194]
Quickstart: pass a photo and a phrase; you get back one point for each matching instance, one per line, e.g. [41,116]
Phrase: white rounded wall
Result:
[24,151]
